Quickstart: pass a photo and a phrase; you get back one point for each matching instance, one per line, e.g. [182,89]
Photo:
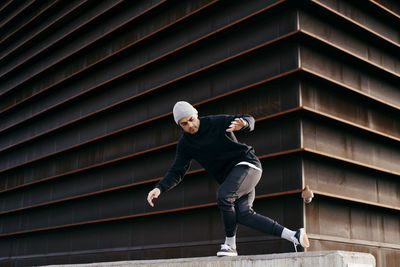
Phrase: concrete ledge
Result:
[316,258]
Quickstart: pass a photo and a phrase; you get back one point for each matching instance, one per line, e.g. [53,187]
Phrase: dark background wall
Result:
[86,130]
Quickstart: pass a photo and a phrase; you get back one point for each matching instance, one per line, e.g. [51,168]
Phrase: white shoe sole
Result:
[223,253]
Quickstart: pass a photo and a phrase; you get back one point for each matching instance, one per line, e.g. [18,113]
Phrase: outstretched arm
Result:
[173,177]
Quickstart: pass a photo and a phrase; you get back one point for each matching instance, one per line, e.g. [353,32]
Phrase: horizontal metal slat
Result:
[328,116]
[17,13]
[172,144]
[29,175]
[119,205]
[43,31]
[352,162]
[11,7]
[43,11]
[372,84]
[5,5]
[324,98]
[41,51]
[357,220]
[92,65]
[137,68]
[349,241]
[119,104]
[362,60]
[331,177]
[129,232]
[140,215]
[196,72]
[343,38]
[314,74]
[391,12]
[86,168]
[353,199]
[57,105]
[66,57]
[354,22]
[246,246]
[128,156]
[345,143]
[197,170]
[332,118]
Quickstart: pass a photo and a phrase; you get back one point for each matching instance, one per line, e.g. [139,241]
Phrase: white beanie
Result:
[183,109]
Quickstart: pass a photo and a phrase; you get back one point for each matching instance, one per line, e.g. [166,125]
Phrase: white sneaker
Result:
[300,238]
[226,250]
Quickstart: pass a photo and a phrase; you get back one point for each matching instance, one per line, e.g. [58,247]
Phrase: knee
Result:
[243,212]
[224,198]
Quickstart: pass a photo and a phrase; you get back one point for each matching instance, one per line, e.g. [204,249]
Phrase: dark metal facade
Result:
[86,93]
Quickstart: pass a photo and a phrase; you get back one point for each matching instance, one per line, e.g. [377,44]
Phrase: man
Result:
[210,141]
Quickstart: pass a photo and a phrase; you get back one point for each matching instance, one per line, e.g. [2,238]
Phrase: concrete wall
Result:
[317,258]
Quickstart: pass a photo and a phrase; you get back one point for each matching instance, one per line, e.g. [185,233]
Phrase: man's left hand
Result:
[237,125]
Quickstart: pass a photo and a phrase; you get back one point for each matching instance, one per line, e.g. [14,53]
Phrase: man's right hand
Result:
[153,194]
